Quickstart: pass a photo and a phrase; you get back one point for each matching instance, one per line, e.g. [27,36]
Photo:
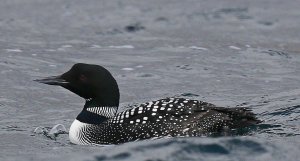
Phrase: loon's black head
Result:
[92,82]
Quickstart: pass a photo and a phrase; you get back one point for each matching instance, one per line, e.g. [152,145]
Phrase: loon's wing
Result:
[190,116]
[238,116]
[156,110]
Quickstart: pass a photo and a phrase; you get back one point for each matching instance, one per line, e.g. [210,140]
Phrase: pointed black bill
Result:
[54,80]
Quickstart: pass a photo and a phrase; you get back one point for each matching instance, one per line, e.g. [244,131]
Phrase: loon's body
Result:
[99,122]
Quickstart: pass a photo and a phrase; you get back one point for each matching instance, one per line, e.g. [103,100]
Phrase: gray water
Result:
[230,53]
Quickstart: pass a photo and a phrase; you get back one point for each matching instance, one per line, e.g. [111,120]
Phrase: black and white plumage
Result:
[99,122]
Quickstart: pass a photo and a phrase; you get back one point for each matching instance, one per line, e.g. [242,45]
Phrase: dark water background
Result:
[225,52]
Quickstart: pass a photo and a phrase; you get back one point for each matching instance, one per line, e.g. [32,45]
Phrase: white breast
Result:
[75,133]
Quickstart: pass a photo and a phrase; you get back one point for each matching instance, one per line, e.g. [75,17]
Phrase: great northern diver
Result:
[99,122]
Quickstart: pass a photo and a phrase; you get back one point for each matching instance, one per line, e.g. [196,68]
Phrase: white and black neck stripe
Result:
[108,112]
[95,112]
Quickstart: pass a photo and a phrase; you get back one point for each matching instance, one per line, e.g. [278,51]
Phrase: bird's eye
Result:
[82,78]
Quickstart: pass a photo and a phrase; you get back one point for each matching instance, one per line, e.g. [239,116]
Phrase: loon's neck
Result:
[95,112]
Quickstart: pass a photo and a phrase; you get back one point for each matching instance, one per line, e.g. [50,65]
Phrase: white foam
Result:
[197,48]
[122,47]
[96,46]
[234,47]
[39,130]
[51,50]
[57,129]
[128,69]
[14,50]
[66,46]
